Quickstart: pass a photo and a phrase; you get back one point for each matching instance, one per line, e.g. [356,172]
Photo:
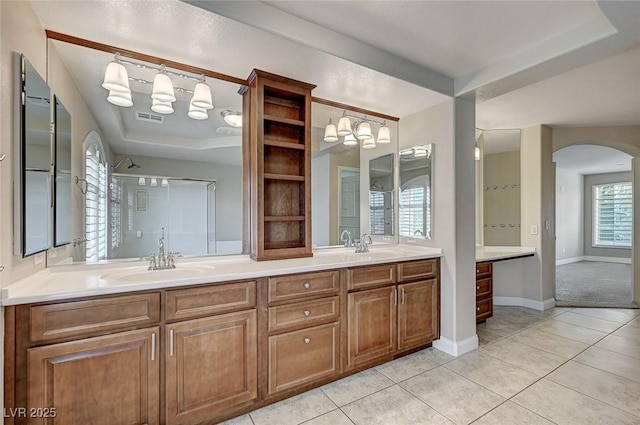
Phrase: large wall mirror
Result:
[32,203]
[414,199]
[341,175]
[498,180]
[62,174]
[152,168]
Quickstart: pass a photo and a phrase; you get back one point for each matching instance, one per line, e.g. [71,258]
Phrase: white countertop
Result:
[81,280]
[489,253]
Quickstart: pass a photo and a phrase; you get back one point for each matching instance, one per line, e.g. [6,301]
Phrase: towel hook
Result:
[78,181]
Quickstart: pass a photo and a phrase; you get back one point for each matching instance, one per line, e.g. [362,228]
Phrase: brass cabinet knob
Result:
[307,313]
[307,340]
[307,285]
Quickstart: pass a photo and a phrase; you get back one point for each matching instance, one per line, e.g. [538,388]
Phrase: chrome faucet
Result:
[365,241]
[161,262]
[418,232]
[347,241]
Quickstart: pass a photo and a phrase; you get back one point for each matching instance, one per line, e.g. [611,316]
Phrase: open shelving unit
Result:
[280,166]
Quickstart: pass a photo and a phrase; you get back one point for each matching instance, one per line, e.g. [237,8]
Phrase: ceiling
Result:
[562,63]
[591,159]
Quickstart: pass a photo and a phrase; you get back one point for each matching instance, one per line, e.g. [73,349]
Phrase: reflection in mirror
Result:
[62,173]
[500,162]
[33,229]
[415,191]
[381,187]
[176,142]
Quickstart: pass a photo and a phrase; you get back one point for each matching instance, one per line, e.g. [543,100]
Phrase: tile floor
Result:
[563,366]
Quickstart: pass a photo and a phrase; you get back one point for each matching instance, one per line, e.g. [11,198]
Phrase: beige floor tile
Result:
[487,337]
[240,420]
[620,345]
[335,417]
[356,386]
[635,323]
[452,395]
[501,327]
[512,414]
[630,333]
[604,386]
[588,322]
[571,331]
[524,356]
[618,315]
[414,364]
[610,361]
[554,311]
[390,406]
[494,374]
[565,406]
[550,343]
[294,410]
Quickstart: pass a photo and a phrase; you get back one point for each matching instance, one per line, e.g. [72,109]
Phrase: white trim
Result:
[607,259]
[456,348]
[569,260]
[525,302]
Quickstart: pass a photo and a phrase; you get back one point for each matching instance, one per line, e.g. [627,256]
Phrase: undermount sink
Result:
[139,275]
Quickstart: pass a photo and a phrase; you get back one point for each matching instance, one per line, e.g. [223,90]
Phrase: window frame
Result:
[596,197]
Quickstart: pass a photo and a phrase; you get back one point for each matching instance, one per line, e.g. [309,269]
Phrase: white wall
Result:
[450,126]
[589,181]
[320,196]
[569,214]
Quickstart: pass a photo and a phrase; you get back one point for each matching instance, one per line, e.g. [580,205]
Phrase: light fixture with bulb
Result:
[163,93]
[357,131]
[234,119]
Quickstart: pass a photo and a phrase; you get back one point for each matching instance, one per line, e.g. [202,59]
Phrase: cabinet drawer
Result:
[371,276]
[484,309]
[306,313]
[284,288]
[303,356]
[483,269]
[483,288]
[197,302]
[92,317]
[414,270]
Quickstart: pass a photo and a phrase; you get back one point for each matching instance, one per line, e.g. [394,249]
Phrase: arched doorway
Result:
[594,222]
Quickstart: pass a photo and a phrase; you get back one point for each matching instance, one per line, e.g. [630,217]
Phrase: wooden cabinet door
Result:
[106,380]
[211,366]
[372,324]
[417,313]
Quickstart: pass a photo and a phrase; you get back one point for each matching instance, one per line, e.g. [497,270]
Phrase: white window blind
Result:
[415,210]
[116,213]
[376,212]
[612,214]
[95,205]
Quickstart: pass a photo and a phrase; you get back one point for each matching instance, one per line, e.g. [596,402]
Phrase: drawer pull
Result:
[402,291]
[477,287]
[477,308]
[307,340]
[307,313]
[477,271]
[307,285]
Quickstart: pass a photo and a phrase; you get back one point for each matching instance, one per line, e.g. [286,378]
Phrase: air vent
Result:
[38,101]
[145,116]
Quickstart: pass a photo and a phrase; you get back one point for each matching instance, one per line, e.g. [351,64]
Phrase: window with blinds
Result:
[415,211]
[116,212]
[95,204]
[612,214]
[376,212]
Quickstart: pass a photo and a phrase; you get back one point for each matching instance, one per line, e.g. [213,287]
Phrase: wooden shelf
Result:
[282,245]
[283,177]
[282,120]
[287,145]
[284,218]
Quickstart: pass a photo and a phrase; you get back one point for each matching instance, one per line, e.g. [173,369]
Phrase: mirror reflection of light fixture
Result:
[142,181]
[476,149]
[160,107]
[120,98]
[165,182]
[234,119]
[154,181]
[420,152]
[197,113]
[162,87]
[357,131]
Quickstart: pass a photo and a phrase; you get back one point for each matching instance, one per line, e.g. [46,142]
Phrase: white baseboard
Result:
[456,348]
[569,260]
[525,302]
[607,259]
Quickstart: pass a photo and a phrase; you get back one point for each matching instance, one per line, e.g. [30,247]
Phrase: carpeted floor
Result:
[594,284]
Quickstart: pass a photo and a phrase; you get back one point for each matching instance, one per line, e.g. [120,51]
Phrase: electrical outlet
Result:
[564,250]
[533,229]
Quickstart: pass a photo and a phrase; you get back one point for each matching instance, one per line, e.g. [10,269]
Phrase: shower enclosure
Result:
[141,207]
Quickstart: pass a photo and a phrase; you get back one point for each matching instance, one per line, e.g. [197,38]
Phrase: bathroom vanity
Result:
[211,339]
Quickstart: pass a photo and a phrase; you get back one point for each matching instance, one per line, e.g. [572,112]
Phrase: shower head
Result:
[126,158]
